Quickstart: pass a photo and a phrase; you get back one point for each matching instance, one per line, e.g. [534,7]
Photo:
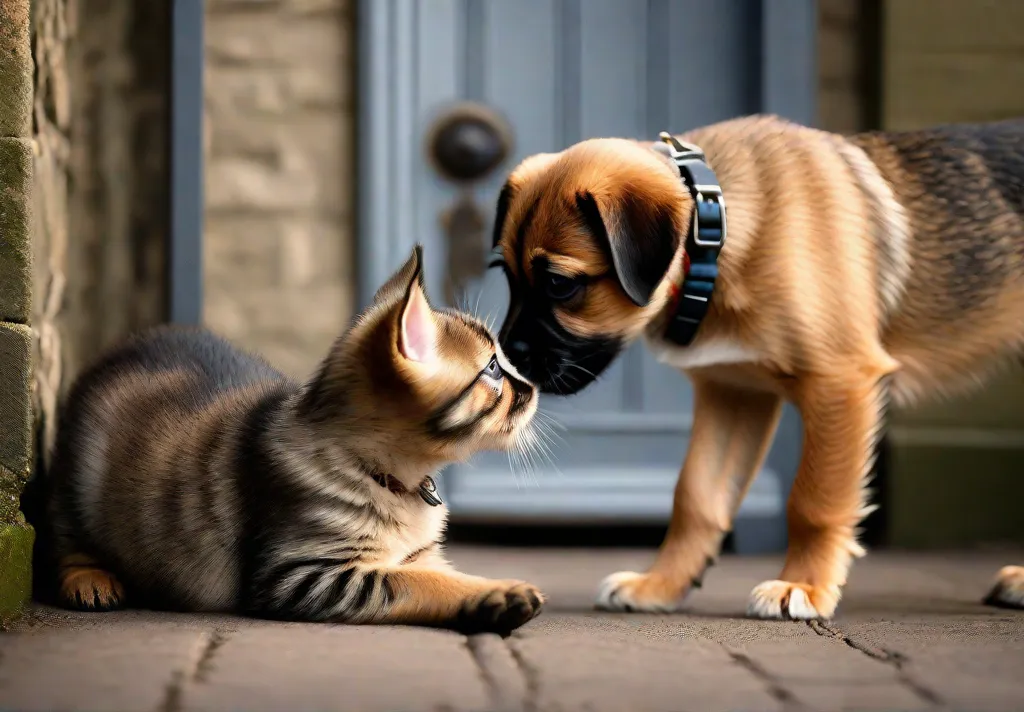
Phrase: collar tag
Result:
[704,241]
[428,492]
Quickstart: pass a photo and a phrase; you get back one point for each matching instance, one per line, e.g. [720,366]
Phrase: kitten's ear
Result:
[417,331]
[397,285]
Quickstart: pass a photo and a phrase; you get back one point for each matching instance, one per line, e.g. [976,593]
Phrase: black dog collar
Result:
[703,244]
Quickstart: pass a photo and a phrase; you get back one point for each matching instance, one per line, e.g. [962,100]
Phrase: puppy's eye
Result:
[493,370]
[559,287]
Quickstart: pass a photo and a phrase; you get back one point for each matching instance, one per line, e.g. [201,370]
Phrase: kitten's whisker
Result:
[476,307]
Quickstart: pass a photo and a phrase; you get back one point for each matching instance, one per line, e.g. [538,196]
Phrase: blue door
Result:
[556,72]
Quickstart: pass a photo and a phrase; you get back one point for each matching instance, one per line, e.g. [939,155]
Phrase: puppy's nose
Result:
[519,349]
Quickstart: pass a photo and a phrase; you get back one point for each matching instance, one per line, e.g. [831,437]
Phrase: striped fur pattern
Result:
[190,475]
[857,269]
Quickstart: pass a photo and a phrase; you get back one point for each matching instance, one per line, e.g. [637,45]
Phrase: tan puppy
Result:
[854,269]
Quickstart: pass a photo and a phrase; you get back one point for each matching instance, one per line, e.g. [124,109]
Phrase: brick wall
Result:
[278,248]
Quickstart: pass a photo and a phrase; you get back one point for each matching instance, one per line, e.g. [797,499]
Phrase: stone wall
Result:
[278,247]
[16,188]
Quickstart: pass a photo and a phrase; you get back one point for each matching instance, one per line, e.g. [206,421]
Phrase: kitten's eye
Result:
[559,287]
[493,370]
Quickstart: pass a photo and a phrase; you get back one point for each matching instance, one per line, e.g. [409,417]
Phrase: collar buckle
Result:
[704,241]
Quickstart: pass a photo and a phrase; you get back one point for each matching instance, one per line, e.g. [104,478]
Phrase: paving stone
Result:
[942,652]
[59,670]
[598,663]
[970,661]
[501,672]
[840,698]
[279,667]
[832,661]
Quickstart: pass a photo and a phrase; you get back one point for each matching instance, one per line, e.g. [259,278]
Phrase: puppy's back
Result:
[962,187]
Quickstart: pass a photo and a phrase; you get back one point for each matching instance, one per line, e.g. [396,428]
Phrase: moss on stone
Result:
[15,416]
[16,540]
[15,216]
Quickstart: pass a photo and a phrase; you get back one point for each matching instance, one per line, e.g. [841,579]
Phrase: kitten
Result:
[190,475]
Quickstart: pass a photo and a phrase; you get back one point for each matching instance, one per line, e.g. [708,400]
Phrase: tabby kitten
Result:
[190,475]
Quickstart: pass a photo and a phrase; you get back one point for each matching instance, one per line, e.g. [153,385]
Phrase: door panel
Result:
[559,71]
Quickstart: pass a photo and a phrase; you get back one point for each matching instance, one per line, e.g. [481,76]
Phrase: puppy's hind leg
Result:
[1008,589]
[842,418]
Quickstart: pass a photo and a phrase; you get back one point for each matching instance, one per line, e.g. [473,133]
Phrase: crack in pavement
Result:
[775,687]
[204,666]
[475,646]
[893,658]
[506,677]
[530,676]
[197,672]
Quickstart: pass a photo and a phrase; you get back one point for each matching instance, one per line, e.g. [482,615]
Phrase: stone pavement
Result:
[911,635]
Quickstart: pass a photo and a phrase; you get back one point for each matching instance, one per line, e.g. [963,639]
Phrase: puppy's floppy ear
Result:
[639,235]
[501,214]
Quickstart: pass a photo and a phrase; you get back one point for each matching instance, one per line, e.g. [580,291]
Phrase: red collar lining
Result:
[675,290]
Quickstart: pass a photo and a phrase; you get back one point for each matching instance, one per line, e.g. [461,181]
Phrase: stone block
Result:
[293,327]
[15,416]
[16,540]
[883,697]
[627,661]
[15,222]
[293,7]
[333,667]
[15,69]
[278,91]
[302,165]
[262,40]
[259,251]
[116,668]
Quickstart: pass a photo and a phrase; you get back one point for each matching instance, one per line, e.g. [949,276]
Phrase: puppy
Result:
[853,270]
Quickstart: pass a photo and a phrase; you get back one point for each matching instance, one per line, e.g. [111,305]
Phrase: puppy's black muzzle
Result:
[558,362]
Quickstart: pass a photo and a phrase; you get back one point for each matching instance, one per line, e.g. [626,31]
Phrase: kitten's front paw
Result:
[501,610]
[86,588]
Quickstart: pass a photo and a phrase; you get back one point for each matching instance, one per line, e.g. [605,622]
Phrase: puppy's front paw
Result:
[790,601]
[1008,589]
[501,610]
[631,592]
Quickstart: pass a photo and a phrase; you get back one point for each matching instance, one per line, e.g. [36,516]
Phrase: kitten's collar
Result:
[427,490]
